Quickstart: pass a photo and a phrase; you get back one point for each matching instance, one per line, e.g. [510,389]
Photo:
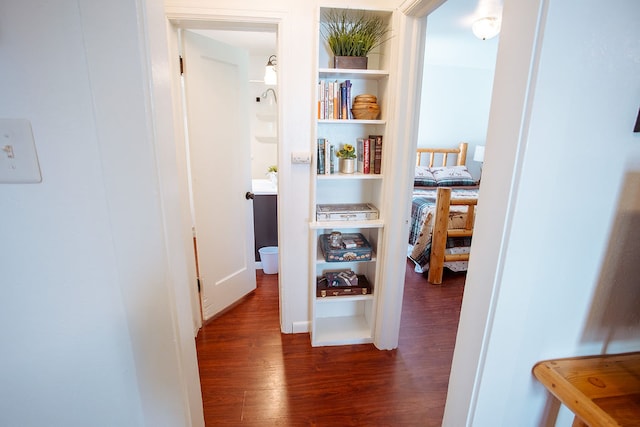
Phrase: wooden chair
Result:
[441,232]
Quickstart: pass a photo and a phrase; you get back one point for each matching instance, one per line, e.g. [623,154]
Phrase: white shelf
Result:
[342,330]
[351,122]
[267,139]
[330,300]
[345,73]
[355,175]
[374,223]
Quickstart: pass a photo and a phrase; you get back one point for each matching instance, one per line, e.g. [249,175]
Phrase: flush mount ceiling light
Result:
[486,28]
[270,76]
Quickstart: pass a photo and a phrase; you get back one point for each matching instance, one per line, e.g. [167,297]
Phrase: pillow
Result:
[424,177]
[447,176]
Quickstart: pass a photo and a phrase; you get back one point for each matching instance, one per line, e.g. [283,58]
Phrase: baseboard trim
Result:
[300,327]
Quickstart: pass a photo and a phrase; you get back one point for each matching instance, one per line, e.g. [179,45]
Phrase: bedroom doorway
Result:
[457,85]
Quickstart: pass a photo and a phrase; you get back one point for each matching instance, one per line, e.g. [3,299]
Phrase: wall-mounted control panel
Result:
[18,157]
[301,157]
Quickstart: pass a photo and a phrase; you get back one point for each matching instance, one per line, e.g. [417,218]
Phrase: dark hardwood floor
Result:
[252,375]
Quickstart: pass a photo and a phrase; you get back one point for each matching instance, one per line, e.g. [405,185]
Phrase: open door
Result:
[217,106]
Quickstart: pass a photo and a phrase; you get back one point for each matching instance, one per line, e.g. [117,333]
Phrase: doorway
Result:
[219,93]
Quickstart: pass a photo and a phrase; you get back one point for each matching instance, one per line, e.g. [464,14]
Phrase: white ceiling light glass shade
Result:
[486,28]
[270,75]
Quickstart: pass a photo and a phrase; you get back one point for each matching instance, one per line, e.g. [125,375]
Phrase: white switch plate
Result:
[18,157]
[301,157]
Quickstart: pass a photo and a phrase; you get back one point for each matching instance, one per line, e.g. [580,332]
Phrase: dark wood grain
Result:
[252,375]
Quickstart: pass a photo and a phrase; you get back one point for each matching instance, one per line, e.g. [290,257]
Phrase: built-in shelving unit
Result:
[340,320]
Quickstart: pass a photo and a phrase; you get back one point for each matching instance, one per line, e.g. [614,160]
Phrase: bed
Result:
[442,212]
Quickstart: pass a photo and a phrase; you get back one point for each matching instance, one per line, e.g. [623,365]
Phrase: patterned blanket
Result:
[421,229]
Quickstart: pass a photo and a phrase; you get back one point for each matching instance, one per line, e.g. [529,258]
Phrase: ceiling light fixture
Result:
[486,28]
[270,76]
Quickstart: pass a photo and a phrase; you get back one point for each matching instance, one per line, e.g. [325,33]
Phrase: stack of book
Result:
[334,100]
[368,156]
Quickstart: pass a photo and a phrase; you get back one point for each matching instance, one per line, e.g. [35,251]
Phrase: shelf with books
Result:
[348,319]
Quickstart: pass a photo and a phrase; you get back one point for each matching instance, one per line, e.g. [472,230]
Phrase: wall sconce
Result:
[270,76]
[486,28]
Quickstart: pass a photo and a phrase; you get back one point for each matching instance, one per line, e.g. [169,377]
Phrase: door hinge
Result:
[181,65]
[198,284]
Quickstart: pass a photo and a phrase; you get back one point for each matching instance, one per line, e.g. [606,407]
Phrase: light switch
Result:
[18,157]
[301,157]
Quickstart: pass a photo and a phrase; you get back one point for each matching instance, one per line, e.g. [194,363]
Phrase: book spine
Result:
[343,102]
[336,96]
[320,168]
[326,100]
[377,153]
[332,157]
[349,113]
[319,95]
[366,156]
[327,159]
[360,155]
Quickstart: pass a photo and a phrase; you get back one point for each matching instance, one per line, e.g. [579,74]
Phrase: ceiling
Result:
[255,42]
[449,37]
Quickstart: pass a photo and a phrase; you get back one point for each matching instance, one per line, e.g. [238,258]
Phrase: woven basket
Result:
[366,112]
[365,107]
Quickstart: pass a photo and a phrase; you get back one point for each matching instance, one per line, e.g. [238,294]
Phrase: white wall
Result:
[564,105]
[88,311]
[264,118]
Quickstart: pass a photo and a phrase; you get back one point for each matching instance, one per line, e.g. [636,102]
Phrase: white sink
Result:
[261,187]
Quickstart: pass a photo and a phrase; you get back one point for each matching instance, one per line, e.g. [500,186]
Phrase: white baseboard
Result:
[300,327]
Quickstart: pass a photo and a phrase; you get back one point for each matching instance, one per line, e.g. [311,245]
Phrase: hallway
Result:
[252,375]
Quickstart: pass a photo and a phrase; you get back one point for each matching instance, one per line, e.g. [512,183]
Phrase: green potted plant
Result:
[272,173]
[347,156]
[351,35]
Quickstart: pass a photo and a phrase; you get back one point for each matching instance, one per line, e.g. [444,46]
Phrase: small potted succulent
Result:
[272,173]
[351,35]
[347,156]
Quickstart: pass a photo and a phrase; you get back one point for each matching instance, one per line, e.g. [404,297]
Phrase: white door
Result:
[217,103]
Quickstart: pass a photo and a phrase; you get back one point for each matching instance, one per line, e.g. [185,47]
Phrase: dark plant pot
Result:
[354,62]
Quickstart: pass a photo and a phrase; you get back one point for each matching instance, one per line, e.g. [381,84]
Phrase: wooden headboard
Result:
[460,152]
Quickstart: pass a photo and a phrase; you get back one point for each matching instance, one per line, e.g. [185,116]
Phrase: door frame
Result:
[199,21]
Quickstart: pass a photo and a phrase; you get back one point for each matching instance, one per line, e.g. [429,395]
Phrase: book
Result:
[336,96]
[327,158]
[366,155]
[360,155]
[320,100]
[363,155]
[320,168]
[377,153]
[332,159]
[344,114]
[348,100]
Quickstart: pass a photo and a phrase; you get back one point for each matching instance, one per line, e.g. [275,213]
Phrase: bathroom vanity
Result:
[265,214]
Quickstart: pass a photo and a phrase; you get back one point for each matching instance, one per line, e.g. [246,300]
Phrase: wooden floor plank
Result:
[252,375]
